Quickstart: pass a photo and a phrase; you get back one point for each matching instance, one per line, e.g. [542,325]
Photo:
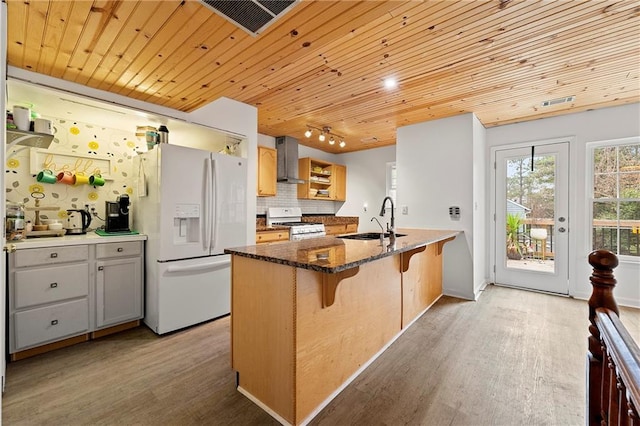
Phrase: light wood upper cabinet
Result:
[339,185]
[267,171]
[322,180]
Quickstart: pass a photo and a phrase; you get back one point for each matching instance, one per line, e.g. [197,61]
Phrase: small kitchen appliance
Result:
[117,214]
[291,217]
[78,221]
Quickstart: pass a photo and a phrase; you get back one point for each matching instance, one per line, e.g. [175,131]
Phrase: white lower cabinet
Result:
[119,285]
[49,323]
[56,293]
[48,295]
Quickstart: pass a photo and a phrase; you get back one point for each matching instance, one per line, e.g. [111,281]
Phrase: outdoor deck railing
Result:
[605,235]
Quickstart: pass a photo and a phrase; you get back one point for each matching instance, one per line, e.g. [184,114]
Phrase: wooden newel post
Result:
[603,282]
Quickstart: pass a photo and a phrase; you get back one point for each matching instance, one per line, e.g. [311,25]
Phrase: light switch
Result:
[454,212]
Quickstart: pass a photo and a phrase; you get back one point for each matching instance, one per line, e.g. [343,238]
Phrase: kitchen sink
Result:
[368,236]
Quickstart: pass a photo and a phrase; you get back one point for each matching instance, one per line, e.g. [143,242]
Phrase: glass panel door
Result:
[531,217]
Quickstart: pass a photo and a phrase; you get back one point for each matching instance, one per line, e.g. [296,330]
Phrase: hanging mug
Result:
[96,180]
[80,179]
[65,177]
[46,176]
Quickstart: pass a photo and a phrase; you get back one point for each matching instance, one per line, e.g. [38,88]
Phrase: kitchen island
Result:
[308,316]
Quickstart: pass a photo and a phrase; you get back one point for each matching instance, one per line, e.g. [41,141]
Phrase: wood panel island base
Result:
[308,316]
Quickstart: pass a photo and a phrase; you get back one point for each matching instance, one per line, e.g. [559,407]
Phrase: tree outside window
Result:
[616,199]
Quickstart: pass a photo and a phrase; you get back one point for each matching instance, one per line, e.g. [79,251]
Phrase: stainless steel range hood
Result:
[287,149]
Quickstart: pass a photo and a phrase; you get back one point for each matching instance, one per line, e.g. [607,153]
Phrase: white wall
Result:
[366,184]
[237,117]
[480,208]
[435,162]
[590,126]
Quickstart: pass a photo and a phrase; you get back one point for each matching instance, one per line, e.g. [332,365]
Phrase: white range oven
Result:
[291,217]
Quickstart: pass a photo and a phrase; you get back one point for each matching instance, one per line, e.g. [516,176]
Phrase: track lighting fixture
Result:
[324,132]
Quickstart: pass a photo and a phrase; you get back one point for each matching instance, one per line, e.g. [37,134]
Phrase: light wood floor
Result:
[512,358]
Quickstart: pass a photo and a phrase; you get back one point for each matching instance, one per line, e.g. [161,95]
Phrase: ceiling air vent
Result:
[253,16]
[559,101]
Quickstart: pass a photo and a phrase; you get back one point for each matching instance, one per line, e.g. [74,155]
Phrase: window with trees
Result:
[391,181]
[616,197]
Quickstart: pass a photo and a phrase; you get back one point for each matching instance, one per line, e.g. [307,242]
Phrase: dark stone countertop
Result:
[261,222]
[331,254]
[263,227]
[331,220]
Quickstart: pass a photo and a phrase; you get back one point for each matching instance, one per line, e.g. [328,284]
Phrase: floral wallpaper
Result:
[83,140]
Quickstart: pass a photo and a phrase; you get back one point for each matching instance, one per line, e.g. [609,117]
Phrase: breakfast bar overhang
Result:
[308,316]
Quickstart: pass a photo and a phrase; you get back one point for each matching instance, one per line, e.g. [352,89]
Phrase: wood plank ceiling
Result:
[323,62]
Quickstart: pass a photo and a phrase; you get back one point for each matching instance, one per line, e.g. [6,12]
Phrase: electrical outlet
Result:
[90,206]
[405,209]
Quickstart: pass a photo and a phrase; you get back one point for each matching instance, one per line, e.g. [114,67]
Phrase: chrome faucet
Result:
[392,229]
[381,230]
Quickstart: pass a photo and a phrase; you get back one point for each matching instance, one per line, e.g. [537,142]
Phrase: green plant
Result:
[514,222]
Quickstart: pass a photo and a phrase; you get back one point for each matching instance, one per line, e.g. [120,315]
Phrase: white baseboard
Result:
[621,301]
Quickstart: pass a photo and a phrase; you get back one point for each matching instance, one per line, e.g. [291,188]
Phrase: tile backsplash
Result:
[287,196]
[87,144]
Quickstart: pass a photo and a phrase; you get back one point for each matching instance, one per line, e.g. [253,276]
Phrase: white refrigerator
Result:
[192,204]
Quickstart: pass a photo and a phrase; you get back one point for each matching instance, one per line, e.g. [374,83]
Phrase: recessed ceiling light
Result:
[390,83]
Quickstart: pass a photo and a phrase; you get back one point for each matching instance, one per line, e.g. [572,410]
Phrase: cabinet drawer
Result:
[268,236]
[352,228]
[335,229]
[41,325]
[51,255]
[129,248]
[45,285]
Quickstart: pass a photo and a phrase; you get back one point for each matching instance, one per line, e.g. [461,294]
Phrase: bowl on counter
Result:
[55,226]
[40,227]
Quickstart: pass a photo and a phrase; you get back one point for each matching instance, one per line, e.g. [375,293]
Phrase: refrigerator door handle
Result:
[214,205]
[206,240]
[201,267]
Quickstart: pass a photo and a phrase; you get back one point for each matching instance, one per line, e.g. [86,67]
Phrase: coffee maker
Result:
[117,214]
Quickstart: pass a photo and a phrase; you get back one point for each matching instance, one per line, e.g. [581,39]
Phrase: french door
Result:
[531,217]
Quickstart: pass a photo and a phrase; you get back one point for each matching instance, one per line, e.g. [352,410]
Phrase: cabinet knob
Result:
[120,249]
[53,285]
[100,268]
[54,322]
[54,255]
